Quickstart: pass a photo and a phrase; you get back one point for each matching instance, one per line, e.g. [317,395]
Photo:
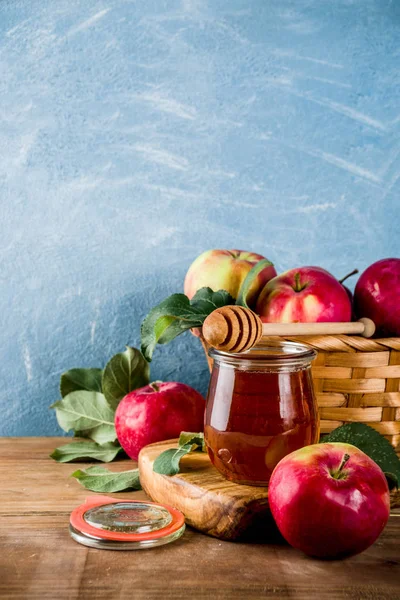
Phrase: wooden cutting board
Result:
[209,502]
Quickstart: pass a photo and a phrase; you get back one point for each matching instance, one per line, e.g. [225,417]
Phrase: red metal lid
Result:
[134,523]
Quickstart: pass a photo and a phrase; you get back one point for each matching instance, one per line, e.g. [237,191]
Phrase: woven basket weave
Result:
[355,379]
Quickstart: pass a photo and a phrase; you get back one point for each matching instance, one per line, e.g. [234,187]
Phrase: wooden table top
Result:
[39,559]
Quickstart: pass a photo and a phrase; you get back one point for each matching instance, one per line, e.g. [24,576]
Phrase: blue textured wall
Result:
[135,135]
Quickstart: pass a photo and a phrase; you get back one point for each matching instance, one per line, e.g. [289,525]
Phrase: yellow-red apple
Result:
[226,270]
[304,295]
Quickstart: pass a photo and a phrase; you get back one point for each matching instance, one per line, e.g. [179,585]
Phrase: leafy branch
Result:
[89,400]
[177,314]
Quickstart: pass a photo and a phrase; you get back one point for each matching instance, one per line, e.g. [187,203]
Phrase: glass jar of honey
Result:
[260,407]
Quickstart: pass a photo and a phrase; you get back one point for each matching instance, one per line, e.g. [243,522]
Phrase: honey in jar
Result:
[260,407]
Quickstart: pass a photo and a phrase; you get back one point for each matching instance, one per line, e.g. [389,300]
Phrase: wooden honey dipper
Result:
[237,329]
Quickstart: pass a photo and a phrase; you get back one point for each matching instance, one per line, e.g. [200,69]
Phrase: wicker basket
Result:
[356,379]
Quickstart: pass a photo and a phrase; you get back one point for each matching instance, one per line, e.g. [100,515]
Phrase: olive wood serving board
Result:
[209,502]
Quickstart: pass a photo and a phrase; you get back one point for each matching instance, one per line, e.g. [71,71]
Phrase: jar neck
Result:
[279,356]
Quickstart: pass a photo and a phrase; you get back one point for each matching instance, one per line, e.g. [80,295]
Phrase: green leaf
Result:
[99,479]
[173,312]
[249,280]
[177,314]
[88,414]
[373,444]
[80,379]
[124,373]
[86,450]
[205,301]
[192,438]
[167,463]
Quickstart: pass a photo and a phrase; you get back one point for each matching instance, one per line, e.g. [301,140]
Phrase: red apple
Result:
[226,270]
[156,412]
[304,295]
[377,296]
[329,500]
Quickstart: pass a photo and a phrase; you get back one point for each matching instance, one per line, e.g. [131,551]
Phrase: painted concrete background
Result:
[136,134]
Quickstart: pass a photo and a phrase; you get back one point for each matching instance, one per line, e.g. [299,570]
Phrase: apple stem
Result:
[345,458]
[338,474]
[354,272]
[297,285]
[155,386]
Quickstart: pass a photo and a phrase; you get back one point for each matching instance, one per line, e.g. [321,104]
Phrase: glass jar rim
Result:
[279,353]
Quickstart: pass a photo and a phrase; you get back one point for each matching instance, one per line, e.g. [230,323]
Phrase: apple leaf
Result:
[100,479]
[187,437]
[177,314]
[167,463]
[125,372]
[249,280]
[205,301]
[373,444]
[86,450]
[87,414]
[80,379]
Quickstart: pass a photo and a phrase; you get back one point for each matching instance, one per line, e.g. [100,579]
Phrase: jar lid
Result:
[109,524]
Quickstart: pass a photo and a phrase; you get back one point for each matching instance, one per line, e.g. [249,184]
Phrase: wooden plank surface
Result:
[38,559]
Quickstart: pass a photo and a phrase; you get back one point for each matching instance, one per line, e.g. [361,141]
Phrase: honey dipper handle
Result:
[364,327]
